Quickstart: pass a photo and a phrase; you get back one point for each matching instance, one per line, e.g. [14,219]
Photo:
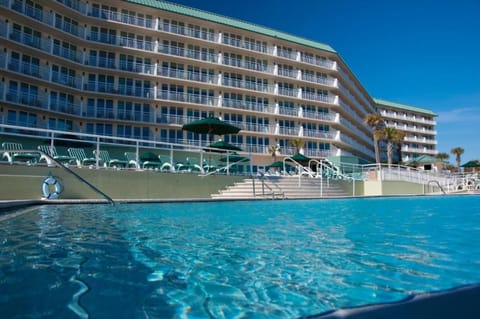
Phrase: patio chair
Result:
[209,165]
[152,162]
[81,158]
[166,165]
[11,154]
[109,162]
[52,151]
[132,159]
[191,164]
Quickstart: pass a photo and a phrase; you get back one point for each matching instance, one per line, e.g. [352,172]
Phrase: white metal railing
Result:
[174,152]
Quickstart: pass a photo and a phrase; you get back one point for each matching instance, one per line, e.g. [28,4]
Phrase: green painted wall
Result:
[23,182]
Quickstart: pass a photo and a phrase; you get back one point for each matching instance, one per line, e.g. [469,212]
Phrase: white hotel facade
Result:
[143,68]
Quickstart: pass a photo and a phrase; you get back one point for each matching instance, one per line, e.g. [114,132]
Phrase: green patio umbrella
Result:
[299,158]
[222,147]
[471,164]
[234,158]
[211,125]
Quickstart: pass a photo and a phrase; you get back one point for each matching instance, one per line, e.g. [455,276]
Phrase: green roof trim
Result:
[404,107]
[239,24]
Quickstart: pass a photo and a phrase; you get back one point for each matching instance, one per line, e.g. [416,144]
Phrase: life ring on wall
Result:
[48,183]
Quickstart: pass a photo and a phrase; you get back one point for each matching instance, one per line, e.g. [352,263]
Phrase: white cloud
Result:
[460,115]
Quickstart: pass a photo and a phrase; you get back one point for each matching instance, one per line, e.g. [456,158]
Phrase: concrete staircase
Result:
[279,187]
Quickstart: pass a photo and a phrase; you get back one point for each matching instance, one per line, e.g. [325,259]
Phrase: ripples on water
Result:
[281,259]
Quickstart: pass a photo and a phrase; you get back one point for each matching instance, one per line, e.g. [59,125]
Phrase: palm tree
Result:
[298,143]
[274,150]
[457,151]
[400,137]
[390,135]
[376,122]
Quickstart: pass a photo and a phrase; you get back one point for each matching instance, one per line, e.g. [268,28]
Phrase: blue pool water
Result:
[271,259]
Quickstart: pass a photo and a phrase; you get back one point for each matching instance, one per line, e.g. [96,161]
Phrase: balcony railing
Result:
[248,45]
[143,68]
[287,91]
[249,85]
[317,61]
[287,130]
[187,53]
[73,55]
[319,115]
[144,22]
[288,111]
[187,75]
[318,97]
[187,97]
[292,55]
[75,5]
[189,32]
[38,100]
[319,134]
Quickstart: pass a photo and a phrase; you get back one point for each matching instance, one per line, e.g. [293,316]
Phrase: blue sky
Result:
[423,53]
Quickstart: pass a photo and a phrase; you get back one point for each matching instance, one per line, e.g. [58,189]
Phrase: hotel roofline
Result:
[231,22]
[404,106]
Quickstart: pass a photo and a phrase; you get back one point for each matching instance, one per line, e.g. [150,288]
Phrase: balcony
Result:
[287,130]
[191,54]
[318,97]
[189,32]
[249,65]
[292,55]
[75,56]
[30,99]
[291,111]
[318,79]
[143,22]
[317,61]
[75,5]
[203,77]
[247,45]
[249,85]
[319,116]
[187,97]
[319,134]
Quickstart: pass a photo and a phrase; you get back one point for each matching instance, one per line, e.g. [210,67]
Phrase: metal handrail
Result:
[438,184]
[272,192]
[60,164]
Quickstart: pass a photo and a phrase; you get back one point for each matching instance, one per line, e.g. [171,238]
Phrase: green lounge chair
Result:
[81,158]
[109,162]
[144,161]
[52,151]
[11,154]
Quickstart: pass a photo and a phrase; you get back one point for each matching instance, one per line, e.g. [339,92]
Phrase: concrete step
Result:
[283,187]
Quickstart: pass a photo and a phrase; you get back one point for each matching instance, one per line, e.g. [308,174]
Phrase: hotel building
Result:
[142,68]
[418,125]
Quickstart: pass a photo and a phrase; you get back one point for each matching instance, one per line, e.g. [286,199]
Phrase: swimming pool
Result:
[268,259]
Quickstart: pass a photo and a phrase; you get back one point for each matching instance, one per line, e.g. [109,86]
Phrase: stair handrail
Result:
[433,181]
[226,167]
[272,192]
[50,159]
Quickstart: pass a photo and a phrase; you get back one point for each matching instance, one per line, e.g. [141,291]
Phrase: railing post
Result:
[253,187]
[97,152]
